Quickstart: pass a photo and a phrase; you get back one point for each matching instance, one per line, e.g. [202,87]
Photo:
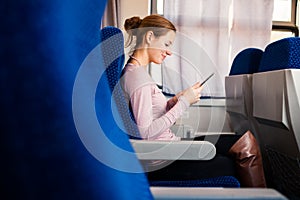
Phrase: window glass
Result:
[282,10]
[277,35]
[160,7]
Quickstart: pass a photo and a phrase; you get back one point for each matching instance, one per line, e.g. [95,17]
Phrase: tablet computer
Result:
[206,79]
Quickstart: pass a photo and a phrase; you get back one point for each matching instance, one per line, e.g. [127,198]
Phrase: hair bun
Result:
[132,23]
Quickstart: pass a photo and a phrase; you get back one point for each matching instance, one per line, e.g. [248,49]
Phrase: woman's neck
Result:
[135,60]
[139,57]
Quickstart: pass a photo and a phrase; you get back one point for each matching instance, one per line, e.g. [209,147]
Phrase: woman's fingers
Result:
[193,93]
[196,85]
[198,90]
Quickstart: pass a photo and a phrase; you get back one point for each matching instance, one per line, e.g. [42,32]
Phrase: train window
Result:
[282,10]
[285,17]
[285,21]
[157,7]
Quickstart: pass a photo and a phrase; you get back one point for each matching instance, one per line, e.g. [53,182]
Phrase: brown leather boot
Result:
[248,161]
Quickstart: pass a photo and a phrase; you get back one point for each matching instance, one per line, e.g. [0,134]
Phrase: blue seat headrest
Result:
[281,54]
[113,53]
[246,62]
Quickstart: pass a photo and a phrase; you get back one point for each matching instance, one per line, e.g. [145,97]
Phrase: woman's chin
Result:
[157,62]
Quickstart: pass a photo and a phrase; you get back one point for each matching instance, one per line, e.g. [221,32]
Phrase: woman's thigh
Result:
[222,142]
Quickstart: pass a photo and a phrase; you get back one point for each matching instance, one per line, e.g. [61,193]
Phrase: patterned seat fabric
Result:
[113,55]
[246,62]
[220,181]
[282,54]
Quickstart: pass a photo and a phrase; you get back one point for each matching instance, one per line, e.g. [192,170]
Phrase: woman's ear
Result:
[149,37]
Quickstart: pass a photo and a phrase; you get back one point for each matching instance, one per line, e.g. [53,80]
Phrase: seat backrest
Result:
[238,88]
[98,120]
[281,54]
[113,56]
[246,62]
[113,53]
[276,108]
[277,86]
[43,156]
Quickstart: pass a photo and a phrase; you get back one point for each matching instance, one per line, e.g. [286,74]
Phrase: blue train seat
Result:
[238,89]
[276,108]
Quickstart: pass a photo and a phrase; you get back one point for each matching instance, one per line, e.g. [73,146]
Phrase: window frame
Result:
[288,26]
[153,8]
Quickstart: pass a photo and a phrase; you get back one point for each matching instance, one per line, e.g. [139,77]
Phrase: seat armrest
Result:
[173,150]
[170,193]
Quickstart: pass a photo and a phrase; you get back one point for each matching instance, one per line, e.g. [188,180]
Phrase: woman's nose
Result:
[168,52]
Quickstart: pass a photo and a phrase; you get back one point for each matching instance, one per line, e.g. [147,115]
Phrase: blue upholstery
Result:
[113,57]
[113,53]
[281,54]
[43,44]
[220,181]
[246,62]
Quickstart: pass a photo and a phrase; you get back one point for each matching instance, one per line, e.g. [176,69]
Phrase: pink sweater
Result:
[154,115]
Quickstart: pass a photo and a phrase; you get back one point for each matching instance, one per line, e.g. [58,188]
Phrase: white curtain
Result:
[210,34]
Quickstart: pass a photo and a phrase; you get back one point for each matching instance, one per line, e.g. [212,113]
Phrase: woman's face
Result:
[160,47]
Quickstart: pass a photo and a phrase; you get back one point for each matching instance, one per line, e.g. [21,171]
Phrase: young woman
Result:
[154,114]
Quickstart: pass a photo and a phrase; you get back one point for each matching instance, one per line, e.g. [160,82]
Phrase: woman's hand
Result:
[193,93]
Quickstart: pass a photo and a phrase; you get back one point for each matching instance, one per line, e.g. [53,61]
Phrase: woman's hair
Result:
[135,26]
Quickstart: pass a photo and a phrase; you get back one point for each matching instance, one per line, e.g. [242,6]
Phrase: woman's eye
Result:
[167,45]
